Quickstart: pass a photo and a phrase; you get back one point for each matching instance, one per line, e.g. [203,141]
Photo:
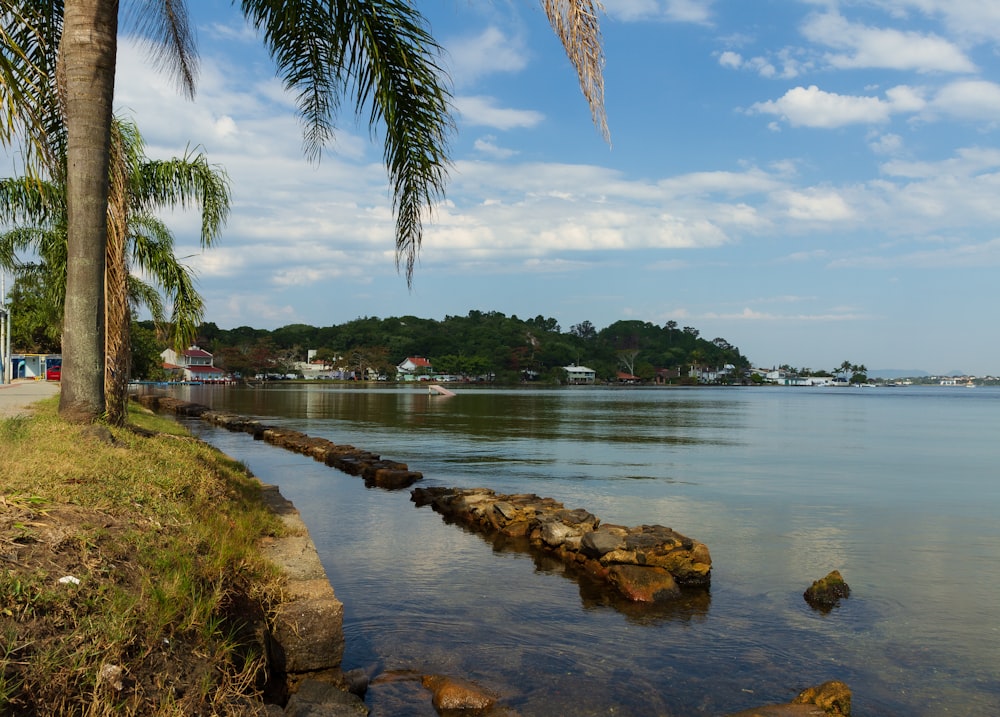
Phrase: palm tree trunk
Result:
[88,51]
[116,307]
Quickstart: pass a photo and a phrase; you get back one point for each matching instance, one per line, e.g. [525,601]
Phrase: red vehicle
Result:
[53,373]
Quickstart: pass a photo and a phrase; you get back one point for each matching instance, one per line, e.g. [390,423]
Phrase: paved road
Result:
[15,398]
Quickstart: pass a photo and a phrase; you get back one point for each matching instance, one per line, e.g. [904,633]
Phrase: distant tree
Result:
[584,330]
[331,359]
[145,353]
[369,358]
[626,359]
[36,315]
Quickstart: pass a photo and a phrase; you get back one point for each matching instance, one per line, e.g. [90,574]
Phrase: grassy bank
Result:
[130,576]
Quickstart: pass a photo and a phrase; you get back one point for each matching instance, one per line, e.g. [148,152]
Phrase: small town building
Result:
[579,374]
[193,364]
[34,366]
[412,367]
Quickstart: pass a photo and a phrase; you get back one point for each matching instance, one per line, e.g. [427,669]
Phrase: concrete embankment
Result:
[375,470]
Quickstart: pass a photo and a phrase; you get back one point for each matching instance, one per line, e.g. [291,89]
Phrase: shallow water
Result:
[895,487]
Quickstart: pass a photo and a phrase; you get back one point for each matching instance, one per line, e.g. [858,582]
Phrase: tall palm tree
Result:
[137,238]
[376,53]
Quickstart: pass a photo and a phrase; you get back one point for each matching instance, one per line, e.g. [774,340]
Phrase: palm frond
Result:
[391,57]
[576,24]
[24,200]
[142,293]
[152,252]
[166,28]
[29,106]
[186,181]
[300,36]
[381,53]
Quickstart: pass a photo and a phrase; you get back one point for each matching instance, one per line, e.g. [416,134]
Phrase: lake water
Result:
[897,488]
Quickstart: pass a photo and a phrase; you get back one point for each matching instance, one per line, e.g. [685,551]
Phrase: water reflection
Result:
[895,488]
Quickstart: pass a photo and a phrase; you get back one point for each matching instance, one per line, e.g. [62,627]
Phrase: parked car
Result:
[53,373]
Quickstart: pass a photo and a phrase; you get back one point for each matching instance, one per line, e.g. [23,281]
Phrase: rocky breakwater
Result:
[648,563]
[375,470]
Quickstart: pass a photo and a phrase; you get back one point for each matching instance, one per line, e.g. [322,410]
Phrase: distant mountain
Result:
[898,373]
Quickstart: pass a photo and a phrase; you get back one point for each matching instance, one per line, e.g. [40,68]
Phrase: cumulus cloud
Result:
[815,205]
[488,146]
[483,111]
[969,99]
[813,107]
[783,64]
[862,46]
[888,143]
[490,51]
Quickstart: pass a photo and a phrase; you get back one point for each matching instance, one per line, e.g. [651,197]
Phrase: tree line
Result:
[481,343]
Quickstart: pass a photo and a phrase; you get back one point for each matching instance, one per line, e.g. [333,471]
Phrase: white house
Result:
[194,364]
[579,374]
[412,366]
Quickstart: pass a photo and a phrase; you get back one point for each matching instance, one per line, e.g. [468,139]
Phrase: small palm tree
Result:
[136,239]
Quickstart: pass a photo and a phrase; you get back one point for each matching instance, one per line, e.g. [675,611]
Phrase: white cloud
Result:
[693,11]
[489,52]
[488,146]
[969,99]
[731,59]
[483,111]
[815,205]
[975,19]
[813,107]
[864,47]
[885,143]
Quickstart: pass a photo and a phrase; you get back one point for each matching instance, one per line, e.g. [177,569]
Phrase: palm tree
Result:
[377,53]
[137,238]
[29,34]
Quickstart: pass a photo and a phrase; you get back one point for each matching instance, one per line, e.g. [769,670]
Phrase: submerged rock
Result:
[831,699]
[450,693]
[824,594]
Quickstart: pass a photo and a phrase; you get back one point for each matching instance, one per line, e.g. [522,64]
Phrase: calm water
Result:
[895,487]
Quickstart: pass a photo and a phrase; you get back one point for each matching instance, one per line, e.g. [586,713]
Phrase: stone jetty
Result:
[647,564]
[375,470]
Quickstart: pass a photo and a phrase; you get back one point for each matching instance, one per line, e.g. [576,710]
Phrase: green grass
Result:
[162,533]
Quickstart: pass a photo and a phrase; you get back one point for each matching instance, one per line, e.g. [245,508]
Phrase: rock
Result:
[607,538]
[833,696]
[831,699]
[824,594]
[322,699]
[454,694]
[643,584]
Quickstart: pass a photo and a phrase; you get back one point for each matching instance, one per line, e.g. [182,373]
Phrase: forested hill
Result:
[475,344]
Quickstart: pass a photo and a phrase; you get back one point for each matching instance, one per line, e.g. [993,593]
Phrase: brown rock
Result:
[833,696]
[643,584]
[454,694]
[825,593]
[831,699]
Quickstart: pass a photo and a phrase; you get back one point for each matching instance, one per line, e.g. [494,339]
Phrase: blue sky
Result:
[813,180]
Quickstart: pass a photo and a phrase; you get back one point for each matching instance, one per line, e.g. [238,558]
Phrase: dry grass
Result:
[160,534]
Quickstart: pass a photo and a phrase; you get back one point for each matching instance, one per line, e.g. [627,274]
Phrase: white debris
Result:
[69,580]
